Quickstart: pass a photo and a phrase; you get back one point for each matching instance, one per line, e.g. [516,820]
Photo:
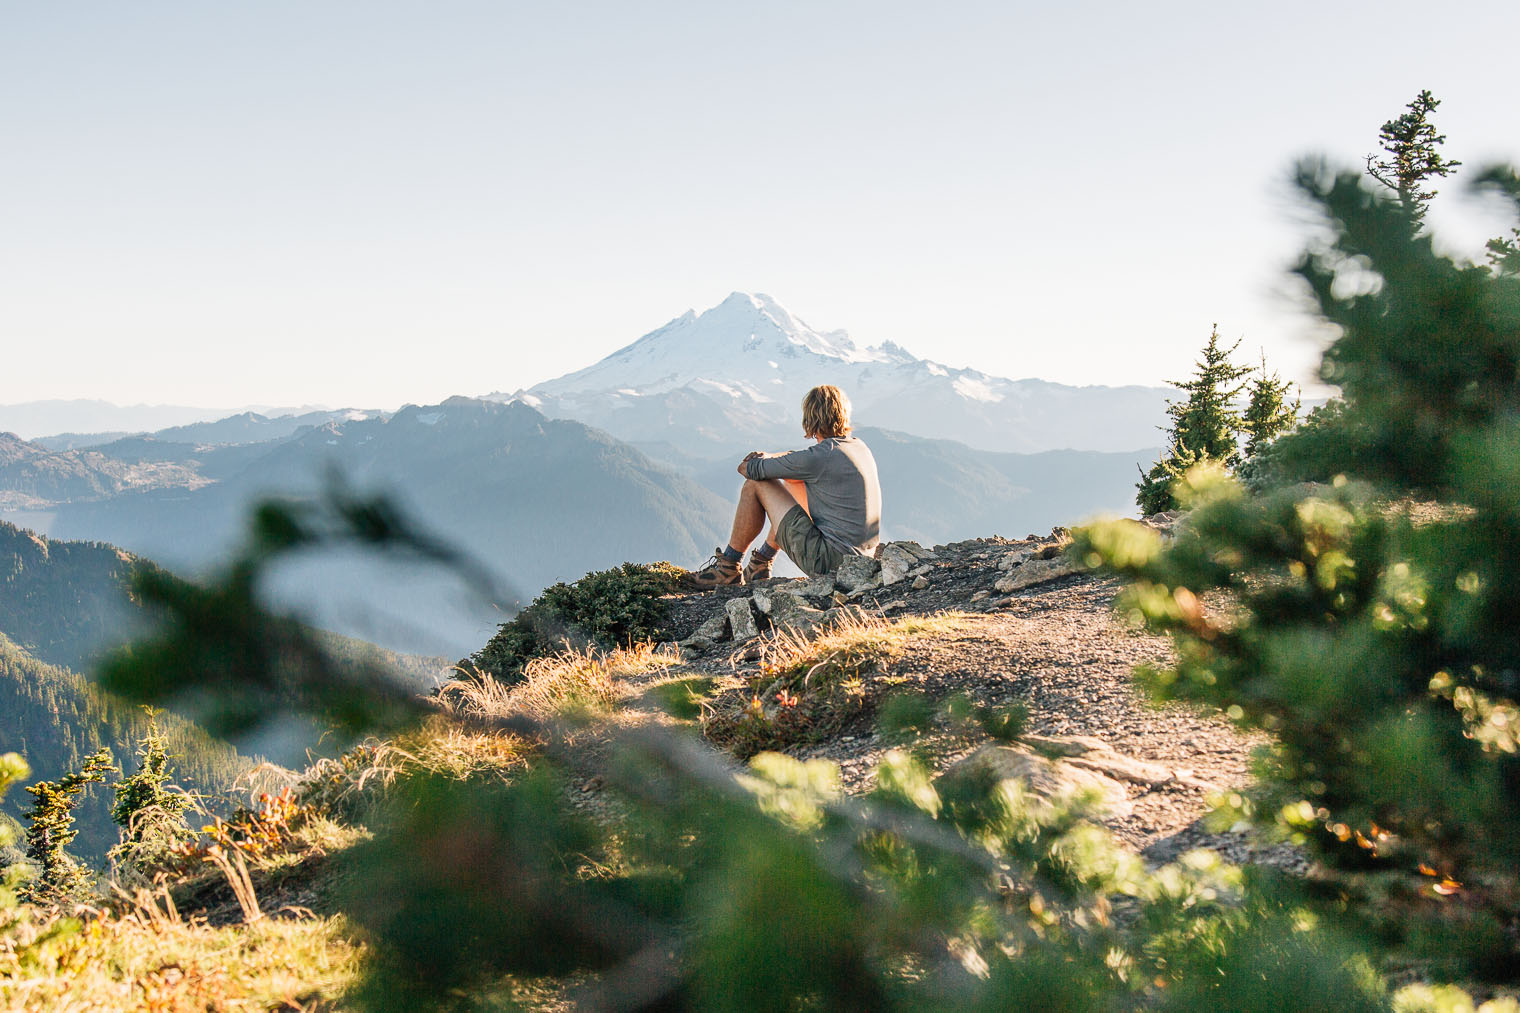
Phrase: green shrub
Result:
[603,609]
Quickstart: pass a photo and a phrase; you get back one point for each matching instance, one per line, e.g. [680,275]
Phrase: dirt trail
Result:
[1059,649]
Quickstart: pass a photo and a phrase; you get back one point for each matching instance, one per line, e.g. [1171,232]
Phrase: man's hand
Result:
[748,458]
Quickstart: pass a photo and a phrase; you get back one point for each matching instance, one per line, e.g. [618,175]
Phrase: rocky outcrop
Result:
[952,577]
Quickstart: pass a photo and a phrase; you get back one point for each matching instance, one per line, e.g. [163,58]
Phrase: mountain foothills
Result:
[738,371]
[540,496]
[65,602]
[535,500]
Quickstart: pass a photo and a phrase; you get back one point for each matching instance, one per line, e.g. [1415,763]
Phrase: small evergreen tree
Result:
[1268,414]
[1413,157]
[50,830]
[148,809]
[1204,425]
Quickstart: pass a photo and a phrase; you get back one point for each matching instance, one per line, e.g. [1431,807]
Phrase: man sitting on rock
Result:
[824,502]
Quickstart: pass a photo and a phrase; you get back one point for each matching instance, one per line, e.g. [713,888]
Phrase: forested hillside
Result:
[61,605]
[54,718]
[64,601]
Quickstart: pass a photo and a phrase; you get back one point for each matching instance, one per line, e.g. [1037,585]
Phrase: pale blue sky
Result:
[378,202]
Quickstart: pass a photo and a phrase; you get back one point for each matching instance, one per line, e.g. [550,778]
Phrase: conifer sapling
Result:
[50,830]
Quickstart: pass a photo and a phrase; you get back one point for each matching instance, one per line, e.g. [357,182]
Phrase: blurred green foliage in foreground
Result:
[1379,651]
[1371,623]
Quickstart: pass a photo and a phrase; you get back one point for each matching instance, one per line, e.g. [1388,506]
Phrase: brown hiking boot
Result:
[716,572]
[757,568]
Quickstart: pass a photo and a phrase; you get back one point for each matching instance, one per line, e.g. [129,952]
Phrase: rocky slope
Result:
[1027,628]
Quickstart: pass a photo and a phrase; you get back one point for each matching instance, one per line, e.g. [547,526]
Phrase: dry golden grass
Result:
[150,959]
[344,786]
[811,685]
[850,648]
[574,683]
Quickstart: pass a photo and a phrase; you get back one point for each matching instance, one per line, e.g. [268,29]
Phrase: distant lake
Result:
[40,521]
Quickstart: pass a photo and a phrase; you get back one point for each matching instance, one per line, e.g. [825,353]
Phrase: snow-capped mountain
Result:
[733,377]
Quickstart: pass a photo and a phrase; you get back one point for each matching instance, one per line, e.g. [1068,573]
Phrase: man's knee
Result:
[773,495]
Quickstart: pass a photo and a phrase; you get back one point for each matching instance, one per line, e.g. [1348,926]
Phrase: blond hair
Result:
[826,412]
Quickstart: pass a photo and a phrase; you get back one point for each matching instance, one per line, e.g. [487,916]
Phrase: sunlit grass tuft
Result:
[151,959]
[575,683]
[811,685]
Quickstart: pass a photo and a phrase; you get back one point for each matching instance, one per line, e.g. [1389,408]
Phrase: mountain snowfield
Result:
[734,376]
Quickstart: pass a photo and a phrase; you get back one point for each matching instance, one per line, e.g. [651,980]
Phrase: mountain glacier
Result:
[733,377]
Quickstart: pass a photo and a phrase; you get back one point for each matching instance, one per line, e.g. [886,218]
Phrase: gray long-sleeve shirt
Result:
[844,497]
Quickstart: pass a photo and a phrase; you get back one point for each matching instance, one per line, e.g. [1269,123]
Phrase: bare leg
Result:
[758,500]
[799,493]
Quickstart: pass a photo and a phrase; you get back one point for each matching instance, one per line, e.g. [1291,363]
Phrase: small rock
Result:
[980,595]
[761,599]
[813,587]
[896,561]
[856,573]
[920,582]
[741,620]
[788,611]
[1036,572]
[920,571]
[711,631]
[1047,779]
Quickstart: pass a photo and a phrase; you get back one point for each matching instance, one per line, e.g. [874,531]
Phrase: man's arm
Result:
[797,464]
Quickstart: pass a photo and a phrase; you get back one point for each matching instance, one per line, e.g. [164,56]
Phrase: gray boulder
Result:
[741,620]
[711,631]
[1038,776]
[897,561]
[790,613]
[857,573]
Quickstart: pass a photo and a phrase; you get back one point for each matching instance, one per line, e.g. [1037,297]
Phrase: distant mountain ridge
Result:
[736,373]
[240,428]
[537,500]
[31,476]
[31,419]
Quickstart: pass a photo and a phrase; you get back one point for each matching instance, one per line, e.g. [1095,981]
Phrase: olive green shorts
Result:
[805,544]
